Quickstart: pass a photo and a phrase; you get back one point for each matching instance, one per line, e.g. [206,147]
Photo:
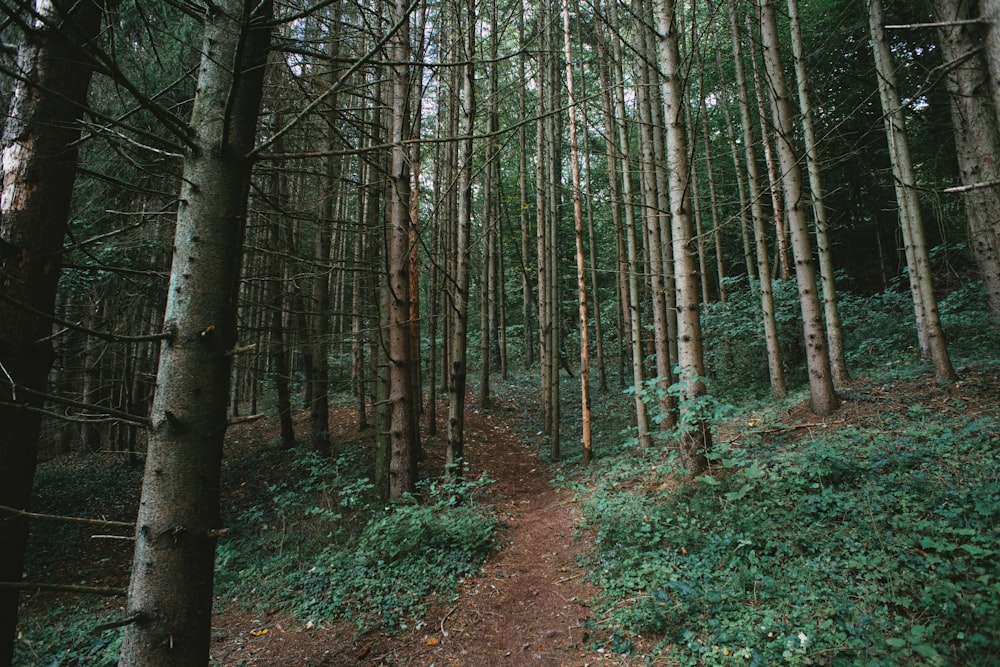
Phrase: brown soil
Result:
[528,606]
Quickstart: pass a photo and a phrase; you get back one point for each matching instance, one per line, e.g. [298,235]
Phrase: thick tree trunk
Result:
[822,395]
[402,438]
[977,140]
[38,164]
[170,595]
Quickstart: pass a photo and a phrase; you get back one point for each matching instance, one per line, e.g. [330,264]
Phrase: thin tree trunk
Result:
[454,456]
[834,332]
[777,375]
[933,345]
[634,311]
[581,265]
[822,395]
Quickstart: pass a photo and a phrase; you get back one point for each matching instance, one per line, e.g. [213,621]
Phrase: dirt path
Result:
[529,605]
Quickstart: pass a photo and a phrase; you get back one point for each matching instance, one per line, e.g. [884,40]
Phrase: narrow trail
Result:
[530,605]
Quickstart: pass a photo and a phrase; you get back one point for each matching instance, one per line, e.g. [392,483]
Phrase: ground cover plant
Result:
[873,543]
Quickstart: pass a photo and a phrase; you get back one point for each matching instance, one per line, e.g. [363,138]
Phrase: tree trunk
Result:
[977,141]
[777,375]
[402,438]
[696,436]
[834,333]
[933,347]
[38,157]
[455,452]
[632,252]
[170,593]
[822,395]
[581,264]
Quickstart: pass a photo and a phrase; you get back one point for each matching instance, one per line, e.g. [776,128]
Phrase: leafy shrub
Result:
[402,558]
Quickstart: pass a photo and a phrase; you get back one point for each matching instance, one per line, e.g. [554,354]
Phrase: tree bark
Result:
[696,435]
[38,157]
[823,397]
[834,333]
[178,522]
[930,334]
[777,375]
[977,140]
[581,264]
[455,452]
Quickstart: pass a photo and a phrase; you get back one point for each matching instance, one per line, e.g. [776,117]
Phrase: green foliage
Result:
[861,547]
[405,555]
[349,559]
[64,637]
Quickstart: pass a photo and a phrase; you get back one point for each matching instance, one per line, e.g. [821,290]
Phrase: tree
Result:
[977,139]
[581,265]
[39,154]
[170,594]
[834,334]
[458,373]
[775,370]
[823,397]
[696,436]
[929,332]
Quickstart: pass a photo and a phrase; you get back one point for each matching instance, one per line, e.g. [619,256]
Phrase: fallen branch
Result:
[249,418]
[67,519]
[795,427]
[63,588]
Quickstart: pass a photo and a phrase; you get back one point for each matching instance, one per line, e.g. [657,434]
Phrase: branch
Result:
[937,24]
[76,326]
[98,418]
[63,588]
[128,620]
[971,186]
[249,418]
[66,519]
[142,422]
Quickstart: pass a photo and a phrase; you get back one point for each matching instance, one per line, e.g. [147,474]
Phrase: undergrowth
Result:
[323,551]
[861,546]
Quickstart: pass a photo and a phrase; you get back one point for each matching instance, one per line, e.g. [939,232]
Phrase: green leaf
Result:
[896,642]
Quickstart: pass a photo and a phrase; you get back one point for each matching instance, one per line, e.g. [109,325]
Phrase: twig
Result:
[68,519]
[444,633]
[937,24]
[63,588]
[79,419]
[795,427]
[13,385]
[565,579]
[112,537]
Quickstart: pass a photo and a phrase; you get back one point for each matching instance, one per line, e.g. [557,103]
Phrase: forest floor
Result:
[528,606]
[531,602]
